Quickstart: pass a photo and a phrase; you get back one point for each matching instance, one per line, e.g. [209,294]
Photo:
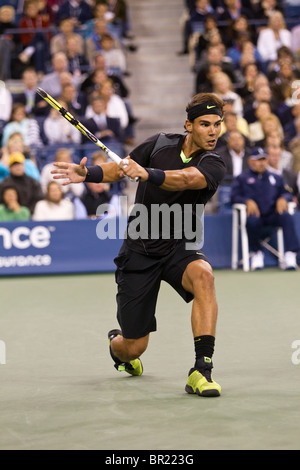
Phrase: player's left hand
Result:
[70,172]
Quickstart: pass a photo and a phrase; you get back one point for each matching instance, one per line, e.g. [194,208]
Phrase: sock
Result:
[204,346]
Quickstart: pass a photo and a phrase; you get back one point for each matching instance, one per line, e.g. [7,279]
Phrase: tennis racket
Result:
[68,116]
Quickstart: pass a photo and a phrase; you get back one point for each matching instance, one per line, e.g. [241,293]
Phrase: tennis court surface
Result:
[59,389]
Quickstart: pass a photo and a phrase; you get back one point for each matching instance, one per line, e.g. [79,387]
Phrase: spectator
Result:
[79,10]
[105,128]
[115,59]
[215,56]
[284,54]
[7,19]
[93,40]
[54,6]
[77,63]
[101,12]
[256,133]
[122,19]
[286,156]
[195,21]
[58,130]
[230,123]
[245,87]
[75,101]
[295,41]
[54,206]
[8,41]
[243,51]
[46,10]
[15,143]
[99,202]
[275,165]
[266,200]
[115,106]
[35,105]
[232,10]
[204,37]
[271,125]
[20,122]
[58,42]
[289,114]
[6,102]
[274,36]
[294,145]
[265,9]
[237,26]
[261,93]
[10,209]
[61,155]
[29,189]
[214,40]
[35,45]
[250,55]
[223,88]
[204,82]
[281,86]
[4,169]
[235,155]
[93,81]
[52,80]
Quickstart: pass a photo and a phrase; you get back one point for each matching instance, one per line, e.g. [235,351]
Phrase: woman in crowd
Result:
[54,206]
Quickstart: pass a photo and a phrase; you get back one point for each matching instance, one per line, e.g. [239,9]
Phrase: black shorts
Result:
[138,278]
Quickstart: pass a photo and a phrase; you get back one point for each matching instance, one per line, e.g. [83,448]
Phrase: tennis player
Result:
[182,171]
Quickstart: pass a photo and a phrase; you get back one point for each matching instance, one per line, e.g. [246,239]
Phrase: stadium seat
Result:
[239,232]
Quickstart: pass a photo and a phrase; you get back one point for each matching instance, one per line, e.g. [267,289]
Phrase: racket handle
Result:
[114,157]
[118,160]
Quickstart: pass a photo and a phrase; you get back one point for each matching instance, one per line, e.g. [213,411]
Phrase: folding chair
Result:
[239,231]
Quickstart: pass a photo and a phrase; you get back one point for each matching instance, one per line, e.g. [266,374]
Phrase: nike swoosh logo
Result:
[209,107]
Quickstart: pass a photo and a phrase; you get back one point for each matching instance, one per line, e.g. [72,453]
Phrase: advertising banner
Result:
[55,247]
[90,246]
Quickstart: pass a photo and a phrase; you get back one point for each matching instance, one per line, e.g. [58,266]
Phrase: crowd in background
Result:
[248,53]
[245,51]
[77,51]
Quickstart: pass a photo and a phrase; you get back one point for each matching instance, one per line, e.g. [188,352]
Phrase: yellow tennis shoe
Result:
[200,380]
[134,367]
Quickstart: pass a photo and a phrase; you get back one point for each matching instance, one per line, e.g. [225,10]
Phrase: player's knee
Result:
[203,278]
[136,347]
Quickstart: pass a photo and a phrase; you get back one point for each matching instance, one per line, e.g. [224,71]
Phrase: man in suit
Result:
[35,105]
[235,155]
[102,126]
[266,198]
[274,160]
[79,10]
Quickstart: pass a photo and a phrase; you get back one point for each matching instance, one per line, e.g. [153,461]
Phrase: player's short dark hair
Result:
[203,98]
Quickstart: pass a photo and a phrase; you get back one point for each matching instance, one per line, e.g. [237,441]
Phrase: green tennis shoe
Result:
[134,367]
[200,380]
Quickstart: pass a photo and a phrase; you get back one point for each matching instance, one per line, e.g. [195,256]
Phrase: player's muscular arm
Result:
[180,180]
[111,172]
[73,173]
[175,180]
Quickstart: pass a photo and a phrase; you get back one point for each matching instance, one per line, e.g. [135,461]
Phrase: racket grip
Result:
[118,160]
[114,157]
